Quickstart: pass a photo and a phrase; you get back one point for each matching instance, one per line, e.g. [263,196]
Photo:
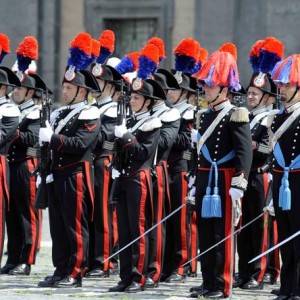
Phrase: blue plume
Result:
[268,61]
[78,59]
[284,75]
[23,62]
[196,68]
[125,65]
[184,64]
[2,55]
[146,67]
[255,62]
[104,54]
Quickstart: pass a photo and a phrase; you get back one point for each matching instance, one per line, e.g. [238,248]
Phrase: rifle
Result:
[42,171]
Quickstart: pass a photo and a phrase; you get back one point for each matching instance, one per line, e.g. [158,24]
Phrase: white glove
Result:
[45,134]
[192,180]
[191,196]
[235,194]
[270,177]
[270,208]
[115,173]
[194,136]
[38,181]
[120,130]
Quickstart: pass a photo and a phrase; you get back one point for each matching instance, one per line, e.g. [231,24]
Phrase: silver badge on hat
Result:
[178,76]
[97,70]
[259,80]
[70,73]
[137,84]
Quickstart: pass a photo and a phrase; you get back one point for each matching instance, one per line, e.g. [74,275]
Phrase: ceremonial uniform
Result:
[177,242]
[254,239]
[170,119]
[232,135]
[22,216]
[288,146]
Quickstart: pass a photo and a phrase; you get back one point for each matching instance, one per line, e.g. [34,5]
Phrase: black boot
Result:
[22,269]
[252,284]
[120,287]
[175,277]
[214,295]
[69,282]
[150,283]
[6,268]
[49,281]
[134,287]
[97,273]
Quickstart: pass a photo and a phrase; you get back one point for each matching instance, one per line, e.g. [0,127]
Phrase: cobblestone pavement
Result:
[21,288]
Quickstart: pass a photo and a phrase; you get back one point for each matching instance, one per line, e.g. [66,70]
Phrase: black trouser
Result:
[215,264]
[101,227]
[253,240]
[69,207]
[22,217]
[288,223]
[133,220]
[177,228]
[157,235]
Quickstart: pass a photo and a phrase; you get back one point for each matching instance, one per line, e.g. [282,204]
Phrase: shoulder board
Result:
[188,114]
[111,112]
[240,115]
[151,124]
[170,115]
[89,113]
[9,110]
[34,114]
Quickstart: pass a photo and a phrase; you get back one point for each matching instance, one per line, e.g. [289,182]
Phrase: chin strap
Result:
[210,104]
[259,102]
[297,89]
[74,98]
[182,91]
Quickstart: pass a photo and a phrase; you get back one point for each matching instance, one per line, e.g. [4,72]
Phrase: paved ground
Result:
[21,288]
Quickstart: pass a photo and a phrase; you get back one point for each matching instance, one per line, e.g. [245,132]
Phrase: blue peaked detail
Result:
[285,195]
[211,204]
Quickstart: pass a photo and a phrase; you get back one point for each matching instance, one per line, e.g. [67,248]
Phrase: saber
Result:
[225,239]
[147,231]
[275,247]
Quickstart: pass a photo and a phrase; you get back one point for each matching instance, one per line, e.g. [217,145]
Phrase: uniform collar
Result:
[3,100]
[103,101]
[221,106]
[76,105]
[181,104]
[159,106]
[293,107]
[141,115]
[25,105]
[257,111]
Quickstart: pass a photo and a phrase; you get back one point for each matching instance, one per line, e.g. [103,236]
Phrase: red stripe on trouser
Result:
[159,214]
[105,205]
[183,223]
[194,237]
[276,252]
[227,276]
[79,238]
[31,165]
[115,227]
[264,245]
[142,220]
[87,169]
[4,178]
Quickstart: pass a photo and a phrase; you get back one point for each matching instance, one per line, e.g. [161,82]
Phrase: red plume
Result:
[274,45]
[188,47]
[29,48]
[83,41]
[95,48]
[230,48]
[203,55]
[134,57]
[255,49]
[5,42]
[151,52]
[107,40]
[159,43]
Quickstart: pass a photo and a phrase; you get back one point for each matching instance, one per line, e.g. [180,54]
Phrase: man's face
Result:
[254,96]
[69,91]
[173,95]
[287,91]
[136,102]
[101,83]
[211,93]
[19,94]
[3,90]
[116,95]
